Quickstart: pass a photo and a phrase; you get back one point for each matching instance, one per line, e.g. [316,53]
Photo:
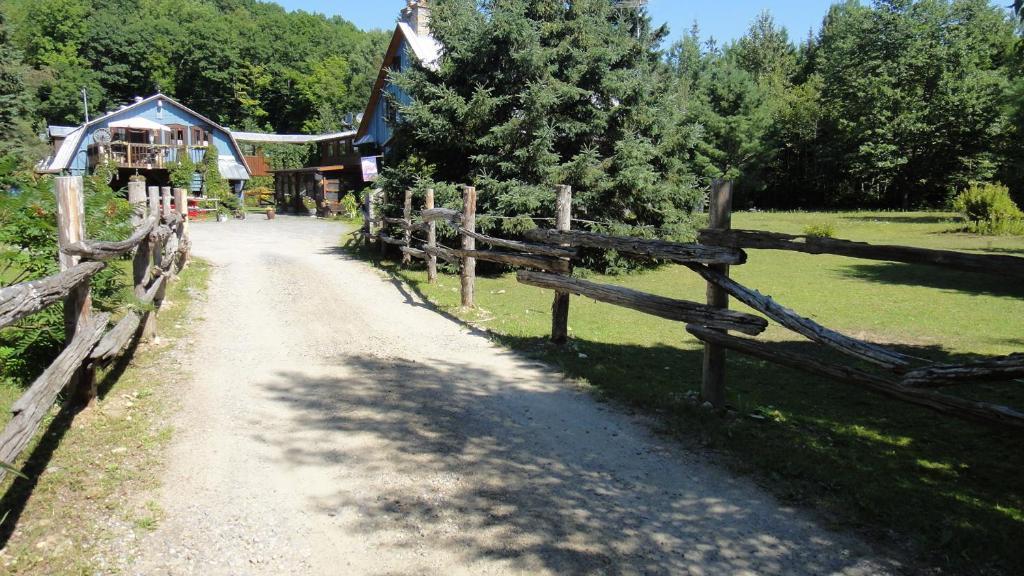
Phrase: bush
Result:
[253,196]
[28,251]
[349,206]
[820,230]
[989,209]
[214,184]
[182,171]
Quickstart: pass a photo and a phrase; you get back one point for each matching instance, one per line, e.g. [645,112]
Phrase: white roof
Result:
[62,158]
[139,123]
[425,48]
[60,131]
[230,169]
[290,138]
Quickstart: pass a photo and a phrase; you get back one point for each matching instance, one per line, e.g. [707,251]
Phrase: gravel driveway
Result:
[337,425]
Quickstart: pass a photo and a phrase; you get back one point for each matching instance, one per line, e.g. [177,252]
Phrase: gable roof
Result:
[425,48]
[62,159]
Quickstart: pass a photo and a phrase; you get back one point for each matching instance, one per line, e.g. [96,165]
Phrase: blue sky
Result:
[723,19]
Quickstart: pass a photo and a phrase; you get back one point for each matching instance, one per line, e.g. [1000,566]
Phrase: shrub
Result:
[214,184]
[28,251]
[349,206]
[182,171]
[989,209]
[254,195]
[820,230]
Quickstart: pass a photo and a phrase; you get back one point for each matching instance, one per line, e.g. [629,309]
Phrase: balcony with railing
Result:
[143,156]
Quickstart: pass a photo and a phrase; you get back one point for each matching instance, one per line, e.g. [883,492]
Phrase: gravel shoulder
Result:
[335,424]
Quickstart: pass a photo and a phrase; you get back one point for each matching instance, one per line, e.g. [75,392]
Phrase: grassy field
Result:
[949,492]
[84,472]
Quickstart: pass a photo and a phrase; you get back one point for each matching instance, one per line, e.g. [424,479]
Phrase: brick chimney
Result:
[417,15]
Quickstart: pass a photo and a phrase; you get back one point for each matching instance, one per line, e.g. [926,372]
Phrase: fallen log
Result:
[541,249]
[994,369]
[991,263]
[654,249]
[97,250]
[115,341]
[27,298]
[949,405]
[35,403]
[442,214]
[661,306]
[803,326]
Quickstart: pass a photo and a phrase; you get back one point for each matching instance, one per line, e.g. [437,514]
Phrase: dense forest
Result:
[244,63]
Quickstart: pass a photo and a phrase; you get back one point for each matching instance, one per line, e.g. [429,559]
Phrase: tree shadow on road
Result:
[493,466]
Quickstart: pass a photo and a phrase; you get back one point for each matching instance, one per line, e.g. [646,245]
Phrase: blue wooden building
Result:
[147,138]
[410,43]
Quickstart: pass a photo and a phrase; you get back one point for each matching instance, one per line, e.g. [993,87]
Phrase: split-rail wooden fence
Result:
[161,246]
[545,257]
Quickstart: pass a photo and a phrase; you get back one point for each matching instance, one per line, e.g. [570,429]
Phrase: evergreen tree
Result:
[534,93]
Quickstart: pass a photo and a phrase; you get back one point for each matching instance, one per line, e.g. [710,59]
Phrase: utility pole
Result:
[85,103]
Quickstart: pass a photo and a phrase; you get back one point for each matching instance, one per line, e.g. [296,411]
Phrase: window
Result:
[176,136]
[199,136]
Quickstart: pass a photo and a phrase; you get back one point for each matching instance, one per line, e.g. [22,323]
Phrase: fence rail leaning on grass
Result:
[545,257]
[161,244]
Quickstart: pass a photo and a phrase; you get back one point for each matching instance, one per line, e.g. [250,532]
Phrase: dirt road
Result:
[336,425]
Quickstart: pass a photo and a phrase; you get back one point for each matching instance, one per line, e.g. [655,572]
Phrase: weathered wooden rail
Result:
[161,245]
[545,257]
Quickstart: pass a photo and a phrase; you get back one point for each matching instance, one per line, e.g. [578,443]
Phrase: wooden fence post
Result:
[140,263]
[720,218]
[381,227]
[560,307]
[407,233]
[367,216]
[78,303]
[154,260]
[165,202]
[468,243]
[428,204]
[181,204]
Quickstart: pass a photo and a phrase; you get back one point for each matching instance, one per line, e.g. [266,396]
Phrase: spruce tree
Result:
[534,93]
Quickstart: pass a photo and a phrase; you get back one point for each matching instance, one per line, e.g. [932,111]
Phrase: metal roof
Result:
[426,49]
[60,131]
[230,169]
[261,137]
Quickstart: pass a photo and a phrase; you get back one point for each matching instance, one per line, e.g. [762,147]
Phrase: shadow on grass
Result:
[16,498]
[934,277]
[948,489]
[908,219]
[1007,251]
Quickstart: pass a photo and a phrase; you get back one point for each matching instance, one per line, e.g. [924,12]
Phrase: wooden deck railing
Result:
[545,258]
[161,244]
[143,156]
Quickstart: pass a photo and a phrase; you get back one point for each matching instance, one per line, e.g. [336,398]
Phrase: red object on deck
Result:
[193,208]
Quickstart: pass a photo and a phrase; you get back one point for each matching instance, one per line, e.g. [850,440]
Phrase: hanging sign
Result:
[369,168]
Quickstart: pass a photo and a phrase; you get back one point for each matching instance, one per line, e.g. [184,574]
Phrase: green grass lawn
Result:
[949,491]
